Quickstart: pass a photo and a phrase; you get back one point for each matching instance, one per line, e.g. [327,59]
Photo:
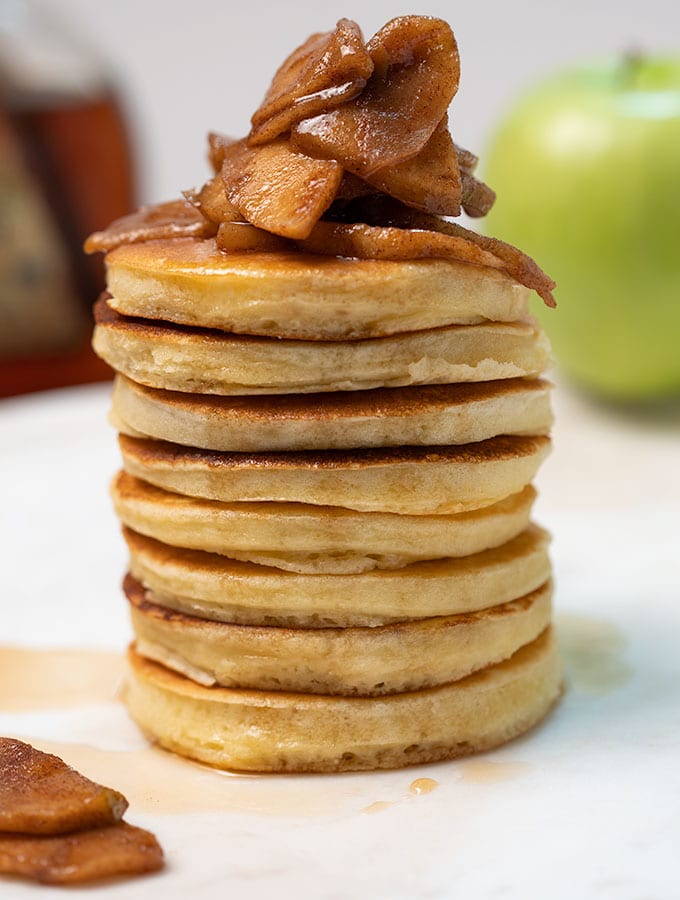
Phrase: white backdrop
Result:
[199,65]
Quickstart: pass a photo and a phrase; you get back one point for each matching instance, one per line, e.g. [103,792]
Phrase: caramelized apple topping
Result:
[413,82]
[517,264]
[119,849]
[240,237]
[325,72]
[278,189]
[177,218]
[467,162]
[429,181]
[40,794]
[61,828]
[212,202]
[477,198]
[217,144]
[379,242]
[452,240]
[344,127]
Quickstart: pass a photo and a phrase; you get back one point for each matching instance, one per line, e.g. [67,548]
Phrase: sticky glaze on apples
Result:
[345,126]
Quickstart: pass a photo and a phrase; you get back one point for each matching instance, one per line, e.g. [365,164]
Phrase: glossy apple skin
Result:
[587,172]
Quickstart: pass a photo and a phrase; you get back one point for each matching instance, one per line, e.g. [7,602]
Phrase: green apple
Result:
[587,172]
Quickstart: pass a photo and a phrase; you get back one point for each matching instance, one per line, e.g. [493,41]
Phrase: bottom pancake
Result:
[261,731]
[350,661]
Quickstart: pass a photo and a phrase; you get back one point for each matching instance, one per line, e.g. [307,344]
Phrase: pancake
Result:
[303,538]
[405,480]
[267,731]
[348,661]
[214,587]
[385,417]
[307,297]
[204,361]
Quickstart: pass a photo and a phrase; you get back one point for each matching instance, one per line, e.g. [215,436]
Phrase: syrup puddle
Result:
[157,781]
[36,679]
[593,651]
[486,771]
[153,780]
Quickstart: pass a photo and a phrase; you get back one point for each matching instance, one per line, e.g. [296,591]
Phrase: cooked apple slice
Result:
[517,264]
[381,210]
[212,201]
[477,197]
[362,241]
[430,180]
[217,144]
[174,219]
[414,80]
[119,849]
[277,189]
[40,794]
[422,236]
[241,237]
[467,161]
[326,71]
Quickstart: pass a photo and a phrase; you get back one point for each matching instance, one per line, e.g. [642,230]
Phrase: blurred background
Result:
[123,95]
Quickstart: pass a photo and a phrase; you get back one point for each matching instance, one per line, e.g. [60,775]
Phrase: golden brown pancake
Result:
[385,417]
[205,361]
[273,731]
[359,661]
[305,297]
[214,587]
[405,480]
[304,538]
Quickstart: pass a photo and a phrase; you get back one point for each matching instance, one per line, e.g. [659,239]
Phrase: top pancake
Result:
[306,297]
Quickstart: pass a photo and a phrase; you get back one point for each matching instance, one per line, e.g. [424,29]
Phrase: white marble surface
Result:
[586,806]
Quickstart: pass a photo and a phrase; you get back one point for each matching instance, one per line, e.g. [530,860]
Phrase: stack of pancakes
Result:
[326,496]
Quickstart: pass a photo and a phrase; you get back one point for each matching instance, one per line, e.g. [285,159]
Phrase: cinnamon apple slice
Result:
[427,236]
[40,794]
[277,189]
[361,241]
[217,144]
[477,198]
[380,210]
[467,161]
[324,72]
[430,181]
[84,856]
[212,202]
[516,263]
[414,80]
[513,261]
[241,237]
[174,219]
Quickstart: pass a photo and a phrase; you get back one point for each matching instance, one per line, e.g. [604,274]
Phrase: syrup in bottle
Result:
[65,170]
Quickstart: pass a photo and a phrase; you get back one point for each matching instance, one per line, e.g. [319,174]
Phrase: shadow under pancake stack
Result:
[326,487]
